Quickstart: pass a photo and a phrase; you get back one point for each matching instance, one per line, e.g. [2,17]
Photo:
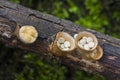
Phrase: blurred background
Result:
[100,15]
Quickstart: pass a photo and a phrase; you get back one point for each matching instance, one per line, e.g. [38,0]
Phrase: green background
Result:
[100,15]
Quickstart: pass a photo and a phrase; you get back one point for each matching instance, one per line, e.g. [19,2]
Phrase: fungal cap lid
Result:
[28,34]
[67,37]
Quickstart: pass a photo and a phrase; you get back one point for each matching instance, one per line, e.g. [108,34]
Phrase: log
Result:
[48,26]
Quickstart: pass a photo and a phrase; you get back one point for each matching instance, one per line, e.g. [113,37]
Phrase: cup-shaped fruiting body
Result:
[97,54]
[86,43]
[28,34]
[63,44]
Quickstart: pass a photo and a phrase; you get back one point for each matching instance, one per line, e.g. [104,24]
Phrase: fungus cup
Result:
[28,34]
[64,44]
[86,43]
[97,54]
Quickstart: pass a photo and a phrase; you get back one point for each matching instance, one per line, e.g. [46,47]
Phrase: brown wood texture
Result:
[12,14]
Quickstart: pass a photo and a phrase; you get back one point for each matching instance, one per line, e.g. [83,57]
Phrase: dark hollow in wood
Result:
[12,15]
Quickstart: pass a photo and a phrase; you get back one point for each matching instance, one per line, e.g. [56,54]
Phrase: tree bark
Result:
[12,14]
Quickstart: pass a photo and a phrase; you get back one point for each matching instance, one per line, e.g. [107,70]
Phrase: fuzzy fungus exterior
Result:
[28,34]
[97,54]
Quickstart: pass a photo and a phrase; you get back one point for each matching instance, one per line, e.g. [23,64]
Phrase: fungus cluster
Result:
[86,43]
[63,44]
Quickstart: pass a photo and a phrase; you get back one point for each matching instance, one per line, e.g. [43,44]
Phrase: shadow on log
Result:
[47,26]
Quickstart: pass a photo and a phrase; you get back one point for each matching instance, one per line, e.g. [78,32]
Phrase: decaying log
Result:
[12,14]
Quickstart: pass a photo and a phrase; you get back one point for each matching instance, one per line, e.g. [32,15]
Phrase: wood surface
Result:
[13,15]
